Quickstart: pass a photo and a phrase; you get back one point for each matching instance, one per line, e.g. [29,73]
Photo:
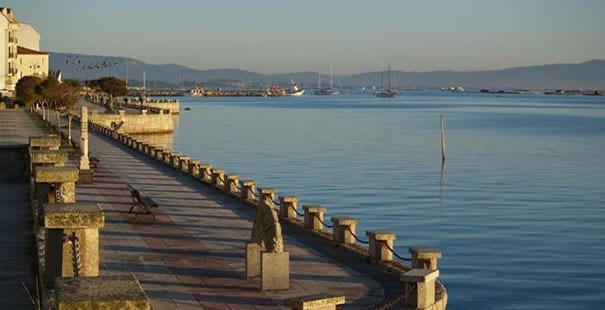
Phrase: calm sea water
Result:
[518,212]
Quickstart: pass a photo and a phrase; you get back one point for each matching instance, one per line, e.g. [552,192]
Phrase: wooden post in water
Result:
[442,121]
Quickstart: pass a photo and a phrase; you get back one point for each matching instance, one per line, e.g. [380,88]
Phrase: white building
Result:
[16,38]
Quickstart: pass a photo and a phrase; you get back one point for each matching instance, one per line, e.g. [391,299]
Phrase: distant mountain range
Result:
[587,75]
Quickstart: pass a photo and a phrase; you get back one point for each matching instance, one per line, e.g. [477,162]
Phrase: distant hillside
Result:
[590,74]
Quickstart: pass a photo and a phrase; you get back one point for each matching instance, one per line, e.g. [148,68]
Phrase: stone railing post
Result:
[105,292]
[174,160]
[424,258]
[218,178]
[315,302]
[314,215]
[184,163]
[380,242]
[206,173]
[151,151]
[166,157]
[158,155]
[60,221]
[266,193]
[56,184]
[420,288]
[194,168]
[344,228]
[231,184]
[49,142]
[288,205]
[248,190]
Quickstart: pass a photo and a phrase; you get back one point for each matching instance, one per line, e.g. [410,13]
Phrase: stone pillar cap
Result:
[194,162]
[380,235]
[267,190]
[73,215]
[288,198]
[248,182]
[232,177]
[314,301]
[165,151]
[205,166]
[343,221]
[56,174]
[218,170]
[419,275]
[185,157]
[314,208]
[48,156]
[424,252]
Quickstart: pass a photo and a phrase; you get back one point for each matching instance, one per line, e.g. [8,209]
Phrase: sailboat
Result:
[326,91]
[294,91]
[388,92]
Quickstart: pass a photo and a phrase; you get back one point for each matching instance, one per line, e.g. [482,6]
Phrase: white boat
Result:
[326,91]
[294,91]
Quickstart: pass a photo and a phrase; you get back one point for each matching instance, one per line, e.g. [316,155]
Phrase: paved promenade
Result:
[192,255]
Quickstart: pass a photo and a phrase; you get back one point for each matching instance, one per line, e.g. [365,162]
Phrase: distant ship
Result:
[388,92]
[294,91]
[196,91]
[326,91]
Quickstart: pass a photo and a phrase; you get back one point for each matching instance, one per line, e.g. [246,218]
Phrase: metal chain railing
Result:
[58,196]
[296,211]
[322,222]
[75,251]
[393,251]
[355,236]
[275,202]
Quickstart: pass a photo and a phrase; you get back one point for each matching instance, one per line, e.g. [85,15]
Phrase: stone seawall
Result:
[135,123]
[421,288]
[172,106]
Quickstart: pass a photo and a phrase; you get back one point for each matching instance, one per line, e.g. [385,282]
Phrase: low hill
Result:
[590,74]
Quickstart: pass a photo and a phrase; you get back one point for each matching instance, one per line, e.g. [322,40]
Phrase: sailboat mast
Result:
[318,80]
[389,77]
[331,77]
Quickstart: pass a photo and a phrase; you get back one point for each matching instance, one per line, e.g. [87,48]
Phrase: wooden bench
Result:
[142,202]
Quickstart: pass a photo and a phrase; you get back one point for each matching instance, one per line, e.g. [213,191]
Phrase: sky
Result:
[281,36]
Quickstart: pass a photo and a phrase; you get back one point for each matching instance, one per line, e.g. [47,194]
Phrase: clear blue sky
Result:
[278,36]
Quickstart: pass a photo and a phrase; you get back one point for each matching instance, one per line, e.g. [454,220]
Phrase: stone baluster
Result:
[315,302]
[424,258]
[151,151]
[231,184]
[158,155]
[248,190]
[314,215]
[184,163]
[194,168]
[420,288]
[380,242]
[174,160]
[166,157]
[60,221]
[218,178]
[288,205]
[344,228]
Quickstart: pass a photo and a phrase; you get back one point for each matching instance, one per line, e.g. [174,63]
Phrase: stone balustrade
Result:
[55,158]
[56,184]
[380,247]
[48,142]
[61,220]
[288,205]
[314,215]
[379,244]
[344,229]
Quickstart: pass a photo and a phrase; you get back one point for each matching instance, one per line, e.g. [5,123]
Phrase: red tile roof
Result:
[26,51]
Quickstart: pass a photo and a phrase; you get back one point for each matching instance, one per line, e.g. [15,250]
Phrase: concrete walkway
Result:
[192,255]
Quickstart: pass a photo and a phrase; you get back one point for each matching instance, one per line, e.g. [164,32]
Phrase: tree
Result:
[112,86]
[63,97]
[26,90]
